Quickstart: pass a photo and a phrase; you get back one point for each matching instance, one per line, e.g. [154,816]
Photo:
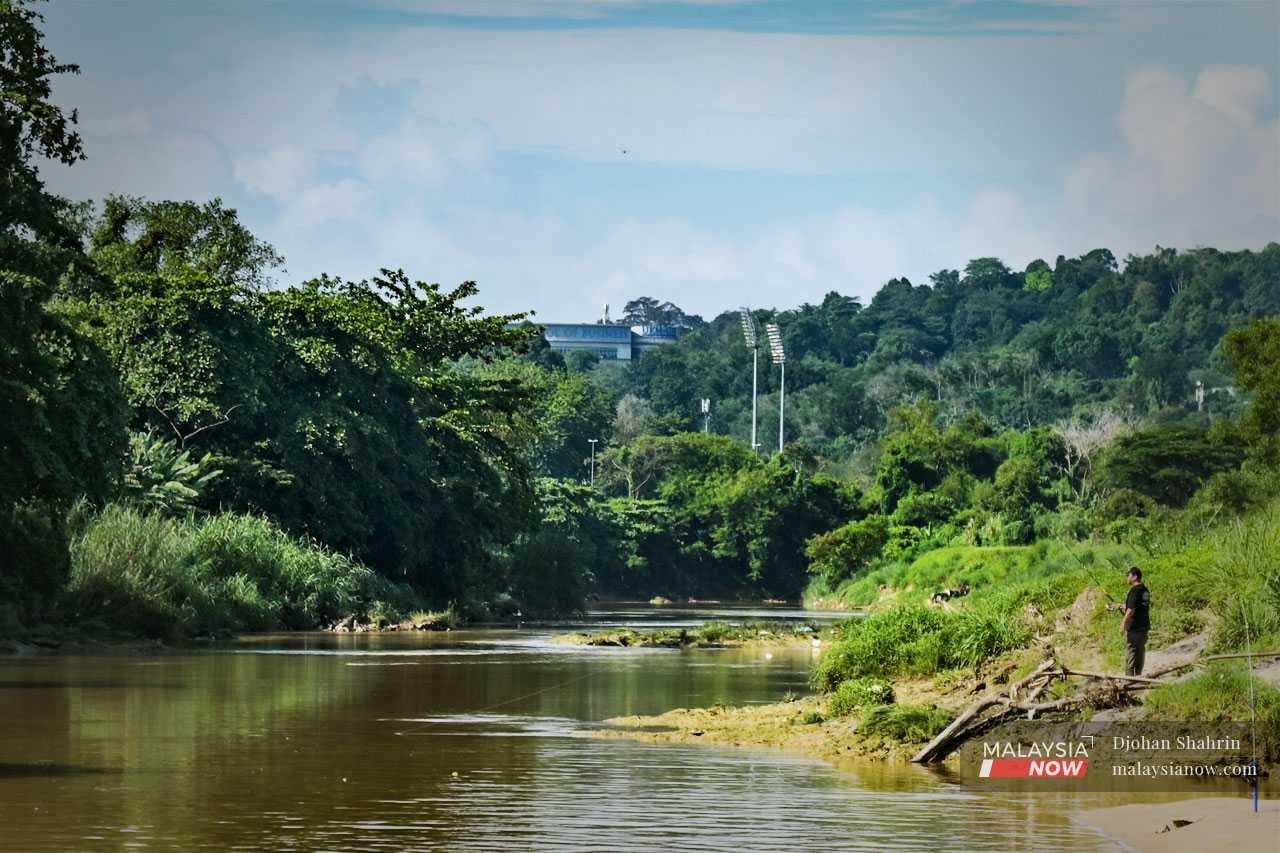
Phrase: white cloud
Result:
[1200,166]
[324,203]
[278,173]
[424,152]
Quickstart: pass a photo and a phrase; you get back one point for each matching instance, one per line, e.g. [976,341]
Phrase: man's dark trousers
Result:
[1135,651]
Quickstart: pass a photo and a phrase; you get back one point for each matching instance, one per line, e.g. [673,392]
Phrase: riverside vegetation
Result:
[192,446]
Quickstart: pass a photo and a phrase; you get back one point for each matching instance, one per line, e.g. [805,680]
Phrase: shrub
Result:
[847,550]
[923,509]
[138,570]
[917,640]
[858,693]
[1222,692]
[154,575]
[1121,504]
[905,723]
[161,475]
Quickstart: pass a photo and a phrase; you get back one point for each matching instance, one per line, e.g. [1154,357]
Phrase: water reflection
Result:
[473,740]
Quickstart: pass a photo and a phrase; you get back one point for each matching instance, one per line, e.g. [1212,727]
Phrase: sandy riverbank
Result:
[779,725]
[1218,823]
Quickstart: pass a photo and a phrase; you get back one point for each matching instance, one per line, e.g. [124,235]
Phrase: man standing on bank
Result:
[1137,622]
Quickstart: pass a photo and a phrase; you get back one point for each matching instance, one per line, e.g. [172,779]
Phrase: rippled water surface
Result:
[471,740]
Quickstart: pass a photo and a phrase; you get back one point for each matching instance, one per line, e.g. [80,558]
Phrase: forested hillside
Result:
[1021,348]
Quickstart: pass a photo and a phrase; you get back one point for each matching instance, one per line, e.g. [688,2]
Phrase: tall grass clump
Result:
[858,693]
[1243,583]
[138,571]
[145,572]
[905,723]
[917,640]
[1222,692]
[274,580]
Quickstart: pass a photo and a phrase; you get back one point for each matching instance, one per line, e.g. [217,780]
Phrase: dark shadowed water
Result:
[471,740]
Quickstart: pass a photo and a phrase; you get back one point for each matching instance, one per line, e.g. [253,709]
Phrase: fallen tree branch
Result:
[933,747]
[1134,678]
[1036,707]
[968,723]
[1275,654]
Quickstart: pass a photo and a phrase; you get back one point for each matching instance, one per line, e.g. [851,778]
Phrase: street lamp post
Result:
[592,442]
[779,358]
[749,332]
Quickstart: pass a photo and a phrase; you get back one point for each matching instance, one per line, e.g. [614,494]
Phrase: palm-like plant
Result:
[161,475]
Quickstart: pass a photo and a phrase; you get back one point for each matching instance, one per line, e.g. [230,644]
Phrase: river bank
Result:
[1191,825]
[799,727]
[713,635]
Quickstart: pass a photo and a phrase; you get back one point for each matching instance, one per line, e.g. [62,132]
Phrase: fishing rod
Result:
[1089,571]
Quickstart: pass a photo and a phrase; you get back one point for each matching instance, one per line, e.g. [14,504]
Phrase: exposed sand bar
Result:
[1220,823]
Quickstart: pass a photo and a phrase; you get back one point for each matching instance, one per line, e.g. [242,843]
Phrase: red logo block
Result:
[1033,768]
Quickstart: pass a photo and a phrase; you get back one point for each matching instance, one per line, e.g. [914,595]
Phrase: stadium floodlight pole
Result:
[592,442]
[749,332]
[779,358]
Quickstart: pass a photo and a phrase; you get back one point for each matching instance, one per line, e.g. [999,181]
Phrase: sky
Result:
[565,154]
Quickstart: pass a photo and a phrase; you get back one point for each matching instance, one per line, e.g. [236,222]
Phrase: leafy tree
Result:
[1167,464]
[848,550]
[62,430]
[1254,354]
[1038,277]
[554,566]
[647,311]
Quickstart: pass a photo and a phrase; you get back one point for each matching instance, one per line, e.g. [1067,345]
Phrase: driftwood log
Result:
[974,718]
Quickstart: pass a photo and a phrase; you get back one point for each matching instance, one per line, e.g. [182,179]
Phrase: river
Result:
[468,740]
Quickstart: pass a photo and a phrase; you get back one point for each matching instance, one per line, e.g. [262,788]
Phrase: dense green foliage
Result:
[917,641]
[144,572]
[1021,348]
[61,423]
[248,453]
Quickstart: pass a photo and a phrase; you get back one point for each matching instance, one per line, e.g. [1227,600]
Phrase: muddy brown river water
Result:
[469,740]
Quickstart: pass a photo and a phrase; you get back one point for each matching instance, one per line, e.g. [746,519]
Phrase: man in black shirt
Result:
[1137,622]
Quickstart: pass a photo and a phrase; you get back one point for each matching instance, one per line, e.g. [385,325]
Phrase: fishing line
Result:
[1087,571]
[487,708]
[1253,715]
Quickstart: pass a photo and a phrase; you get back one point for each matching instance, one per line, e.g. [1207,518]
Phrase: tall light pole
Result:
[592,442]
[779,358]
[753,343]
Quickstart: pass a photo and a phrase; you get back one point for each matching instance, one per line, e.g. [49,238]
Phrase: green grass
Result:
[146,573]
[1219,693]
[710,634]
[435,620]
[904,723]
[1222,692]
[1225,573]
[1243,589]
[857,693]
[984,569]
[917,640]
